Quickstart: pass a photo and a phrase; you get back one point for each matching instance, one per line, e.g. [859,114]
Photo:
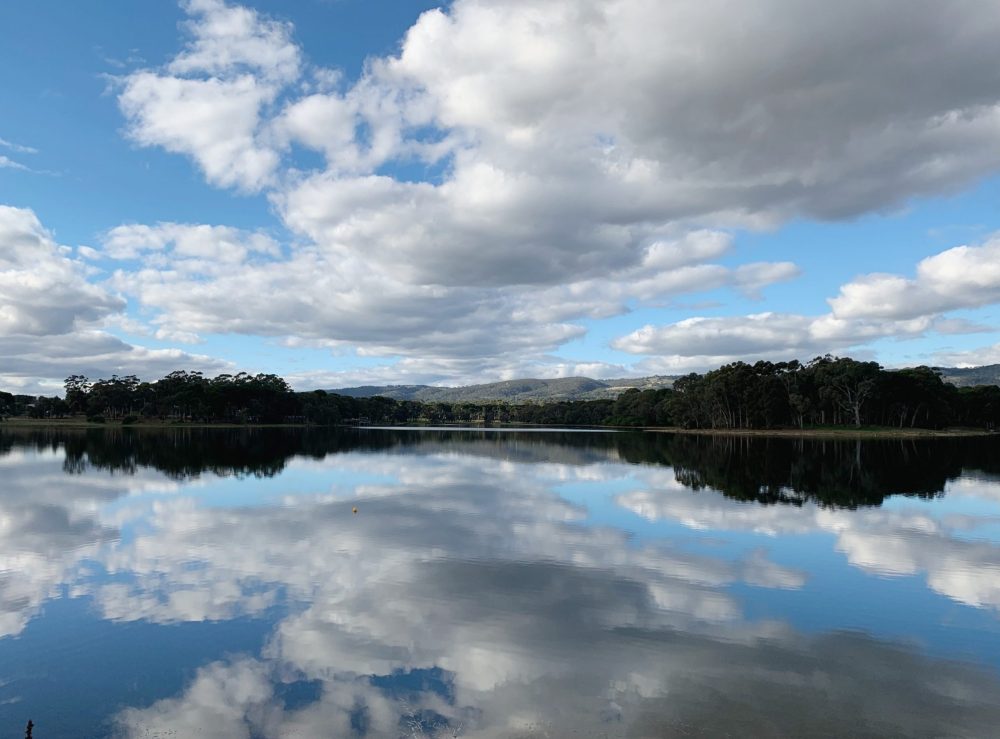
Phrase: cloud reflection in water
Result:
[469,596]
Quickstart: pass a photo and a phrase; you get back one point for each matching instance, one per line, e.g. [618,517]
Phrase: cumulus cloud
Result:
[208,101]
[188,248]
[568,165]
[971,358]
[42,291]
[225,38]
[632,89]
[27,362]
[322,298]
[697,344]
[868,308]
[213,120]
[50,312]
[961,277]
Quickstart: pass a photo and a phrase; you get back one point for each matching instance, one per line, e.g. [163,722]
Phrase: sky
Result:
[346,192]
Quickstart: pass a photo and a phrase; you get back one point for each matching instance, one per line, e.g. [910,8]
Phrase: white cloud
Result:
[961,326]
[698,344]
[42,290]
[38,364]
[227,38]
[699,105]
[961,277]
[566,158]
[50,313]
[868,308]
[8,163]
[206,247]
[320,297]
[214,121]
[971,358]
[208,101]
[744,335]
[20,149]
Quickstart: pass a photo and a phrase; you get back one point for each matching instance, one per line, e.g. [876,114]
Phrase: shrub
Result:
[95,419]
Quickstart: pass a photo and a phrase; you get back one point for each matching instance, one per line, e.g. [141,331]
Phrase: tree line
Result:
[827,391]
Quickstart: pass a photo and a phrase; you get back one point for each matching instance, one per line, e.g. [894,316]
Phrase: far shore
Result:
[840,432]
[824,432]
[82,423]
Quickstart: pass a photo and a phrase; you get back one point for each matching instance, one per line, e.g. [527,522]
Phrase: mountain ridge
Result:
[513,391]
[586,388]
[987,374]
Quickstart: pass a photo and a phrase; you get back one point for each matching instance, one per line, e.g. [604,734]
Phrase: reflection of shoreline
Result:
[840,472]
[841,432]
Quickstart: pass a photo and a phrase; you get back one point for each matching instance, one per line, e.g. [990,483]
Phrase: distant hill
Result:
[967,377]
[512,391]
[585,388]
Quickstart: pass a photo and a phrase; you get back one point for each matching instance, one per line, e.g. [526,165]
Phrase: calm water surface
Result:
[217,584]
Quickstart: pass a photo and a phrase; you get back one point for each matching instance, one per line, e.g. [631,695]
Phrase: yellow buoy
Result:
[354,509]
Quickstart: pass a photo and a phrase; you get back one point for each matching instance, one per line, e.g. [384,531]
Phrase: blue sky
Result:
[405,192]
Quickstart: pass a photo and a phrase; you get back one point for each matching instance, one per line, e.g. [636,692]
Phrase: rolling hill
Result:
[512,391]
[969,376]
[586,388]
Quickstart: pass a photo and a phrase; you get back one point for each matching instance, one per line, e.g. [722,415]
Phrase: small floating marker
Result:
[354,509]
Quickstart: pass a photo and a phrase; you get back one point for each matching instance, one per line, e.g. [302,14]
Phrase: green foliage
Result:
[8,404]
[827,391]
[42,407]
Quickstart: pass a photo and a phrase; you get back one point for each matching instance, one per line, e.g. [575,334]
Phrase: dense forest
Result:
[827,391]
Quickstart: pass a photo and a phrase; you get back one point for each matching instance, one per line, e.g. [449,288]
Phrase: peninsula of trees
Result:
[825,392]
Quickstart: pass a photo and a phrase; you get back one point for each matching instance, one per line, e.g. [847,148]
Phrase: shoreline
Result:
[845,432]
[73,423]
[842,433]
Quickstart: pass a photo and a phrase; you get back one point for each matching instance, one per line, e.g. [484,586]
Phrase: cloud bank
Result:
[588,159]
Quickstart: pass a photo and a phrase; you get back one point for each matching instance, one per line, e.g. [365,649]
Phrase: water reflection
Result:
[477,592]
[847,473]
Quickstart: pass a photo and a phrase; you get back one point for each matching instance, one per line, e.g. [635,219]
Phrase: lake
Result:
[496,584]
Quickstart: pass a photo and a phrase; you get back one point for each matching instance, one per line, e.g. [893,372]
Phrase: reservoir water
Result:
[450,583]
